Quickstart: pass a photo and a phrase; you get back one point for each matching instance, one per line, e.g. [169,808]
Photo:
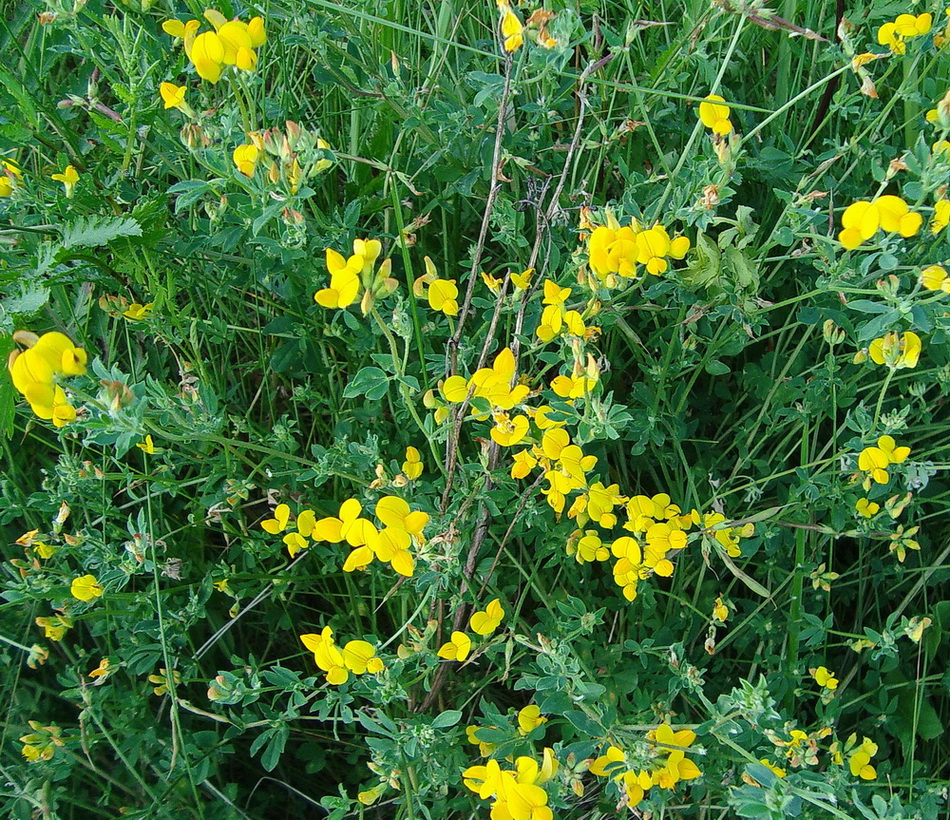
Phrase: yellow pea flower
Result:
[714,114]
[136,312]
[245,158]
[69,177]
[85,588]
[457,649]
[173,96]
[866,507]
[825,678]
[512,31]
[443,296]
[897,351]
[147,445]
[509,431]
[941,217]
[935,278]
[412,466]
[278,523]
[530,718]
[720,610]
[485,621]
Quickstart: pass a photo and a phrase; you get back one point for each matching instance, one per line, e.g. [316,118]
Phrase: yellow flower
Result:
[245,158]
[9,174]
[85,588]
[55,626]
[941,217]
[523,463]
[484,622]
[529,719]
[720,610]
[443,295]
[327,655]
[41,743]
[907,25]
[867,508]
[69,177]
[509,431]
[895,350]
[935,278]
[173,96]
[887,35]
[825,678]
[861,220]
[522,280]
[147,445]
[512,31]
[102,670]
[714,114]
[456,649]
[164,681]
[412,466]
[777,770]
[136,312]
[360,657]
[278,523]
[860,760]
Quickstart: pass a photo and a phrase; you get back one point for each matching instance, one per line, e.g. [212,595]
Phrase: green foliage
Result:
[722,580]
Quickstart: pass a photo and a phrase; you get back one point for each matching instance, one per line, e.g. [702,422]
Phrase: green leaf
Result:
[447,719]
[584,724]
[370,382]
[93,231]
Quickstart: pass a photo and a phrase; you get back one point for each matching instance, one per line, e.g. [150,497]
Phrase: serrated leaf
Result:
[94,231]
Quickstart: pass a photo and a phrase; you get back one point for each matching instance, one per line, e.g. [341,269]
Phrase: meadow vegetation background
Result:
[453,410]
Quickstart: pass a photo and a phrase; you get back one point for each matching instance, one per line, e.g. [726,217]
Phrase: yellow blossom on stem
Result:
[866,507]
[41,743]
[136,312]
[714,114]
[278,523]
[412,466]
[487,620]
[245,158]
[55,626]
[530,718]
[935,278]
[512,31]
[173,96]
[85,588]
[825,678]
[896,350]
[69,178]
[720,610]
[147,445]
[941,217]
[859,762]
[456,649]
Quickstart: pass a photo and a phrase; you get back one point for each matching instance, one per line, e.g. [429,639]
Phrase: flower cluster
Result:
[896,350]
[714,114]
[556,318]
[482,622]
[516,794]
[389,543]
[358,657]
[291,155]
[616,251]
[355,275]
[42,742]
[662,763]
[231,43]
[859,760]
[511,28]
[894,34]
[37,370]
[861,220]
[874,461]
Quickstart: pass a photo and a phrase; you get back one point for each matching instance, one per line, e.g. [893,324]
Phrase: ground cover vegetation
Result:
[467,410]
